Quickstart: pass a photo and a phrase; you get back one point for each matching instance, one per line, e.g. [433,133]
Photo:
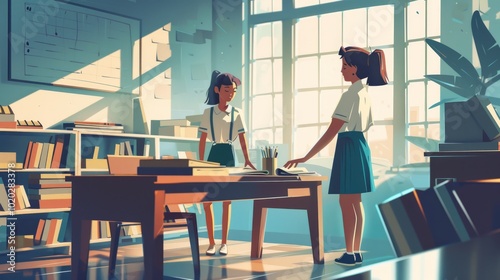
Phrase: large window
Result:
[422,21]
[266,99]
[318,83]
[307,46]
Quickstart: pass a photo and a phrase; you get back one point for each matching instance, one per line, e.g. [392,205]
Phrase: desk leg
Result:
[152,236]
[315,217]
[258,227]
[80,236]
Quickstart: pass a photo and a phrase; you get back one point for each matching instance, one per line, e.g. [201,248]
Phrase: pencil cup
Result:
[270,164]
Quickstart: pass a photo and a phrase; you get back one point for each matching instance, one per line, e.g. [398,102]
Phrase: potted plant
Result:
[467,85]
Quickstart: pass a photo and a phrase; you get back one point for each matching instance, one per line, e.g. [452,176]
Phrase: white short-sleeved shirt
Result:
[222,122]
[355,108]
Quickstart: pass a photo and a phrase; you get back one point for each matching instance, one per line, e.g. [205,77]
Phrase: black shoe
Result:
[346,259]
[358,257]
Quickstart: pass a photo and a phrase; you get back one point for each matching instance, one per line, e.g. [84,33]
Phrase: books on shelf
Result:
[46,154]
[48,231]
[294,171]
[4,198]
[29,124]
[177,163]
[125,148]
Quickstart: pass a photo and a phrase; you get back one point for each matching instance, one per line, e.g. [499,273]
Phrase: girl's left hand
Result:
[248,163]
[294,162]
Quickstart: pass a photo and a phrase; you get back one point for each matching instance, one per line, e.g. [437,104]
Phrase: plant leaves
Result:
[443,101]
[457,84]
[456,61]
[429,145]
[487,48]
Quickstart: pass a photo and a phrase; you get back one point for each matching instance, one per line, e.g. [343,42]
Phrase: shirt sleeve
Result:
[205,124]
[344,108]
[239,124]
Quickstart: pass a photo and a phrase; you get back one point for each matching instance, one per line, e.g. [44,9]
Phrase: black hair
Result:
[369,65]
[217,80]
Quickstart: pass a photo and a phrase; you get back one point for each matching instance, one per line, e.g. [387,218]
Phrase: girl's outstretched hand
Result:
[249,164]
[294,162]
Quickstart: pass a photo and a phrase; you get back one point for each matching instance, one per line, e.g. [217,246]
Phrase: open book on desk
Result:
[246,171]
[295,171]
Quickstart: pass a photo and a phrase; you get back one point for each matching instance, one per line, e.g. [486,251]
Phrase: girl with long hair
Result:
[221,124]
[352,168]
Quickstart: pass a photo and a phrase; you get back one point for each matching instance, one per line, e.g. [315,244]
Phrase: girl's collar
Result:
[218,111]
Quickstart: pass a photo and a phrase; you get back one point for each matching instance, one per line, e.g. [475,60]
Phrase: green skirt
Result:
[352,165]
[222,153]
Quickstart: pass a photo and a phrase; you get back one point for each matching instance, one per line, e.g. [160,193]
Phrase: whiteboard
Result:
[68,45]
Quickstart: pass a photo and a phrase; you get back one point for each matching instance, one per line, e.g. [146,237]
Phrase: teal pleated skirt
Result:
[352,166]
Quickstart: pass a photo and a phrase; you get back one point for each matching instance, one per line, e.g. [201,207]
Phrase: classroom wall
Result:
[168,86]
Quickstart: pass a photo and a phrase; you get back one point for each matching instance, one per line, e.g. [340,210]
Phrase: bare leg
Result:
[226,220]
[360,224]
[349,218]
[209,218]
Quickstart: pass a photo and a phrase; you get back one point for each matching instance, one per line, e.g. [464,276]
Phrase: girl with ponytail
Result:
[352,168]
[221,124]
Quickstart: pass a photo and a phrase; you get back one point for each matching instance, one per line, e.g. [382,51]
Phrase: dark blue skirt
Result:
[352,165]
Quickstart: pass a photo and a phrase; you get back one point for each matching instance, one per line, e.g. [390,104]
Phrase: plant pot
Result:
[460,125]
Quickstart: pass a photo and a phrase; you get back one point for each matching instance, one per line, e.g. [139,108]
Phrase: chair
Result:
[127,165]
[170,222]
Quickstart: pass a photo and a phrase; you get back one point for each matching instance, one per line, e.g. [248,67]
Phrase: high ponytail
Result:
[212,96]
[377,73]
[369,65]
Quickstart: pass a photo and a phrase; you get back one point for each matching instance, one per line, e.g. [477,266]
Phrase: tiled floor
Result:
[279,261]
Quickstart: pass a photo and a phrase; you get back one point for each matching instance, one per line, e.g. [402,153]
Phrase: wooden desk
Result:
[142,199]
[463,165]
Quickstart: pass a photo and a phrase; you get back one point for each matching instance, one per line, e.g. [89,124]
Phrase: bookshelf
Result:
[79,145]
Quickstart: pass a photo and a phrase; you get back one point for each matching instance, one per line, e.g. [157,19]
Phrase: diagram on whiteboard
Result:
[67,45]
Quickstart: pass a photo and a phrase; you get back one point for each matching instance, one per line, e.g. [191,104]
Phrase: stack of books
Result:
[7,117]
[49,190]
[181,167]
[31,124]
[94,126]
[177,128]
